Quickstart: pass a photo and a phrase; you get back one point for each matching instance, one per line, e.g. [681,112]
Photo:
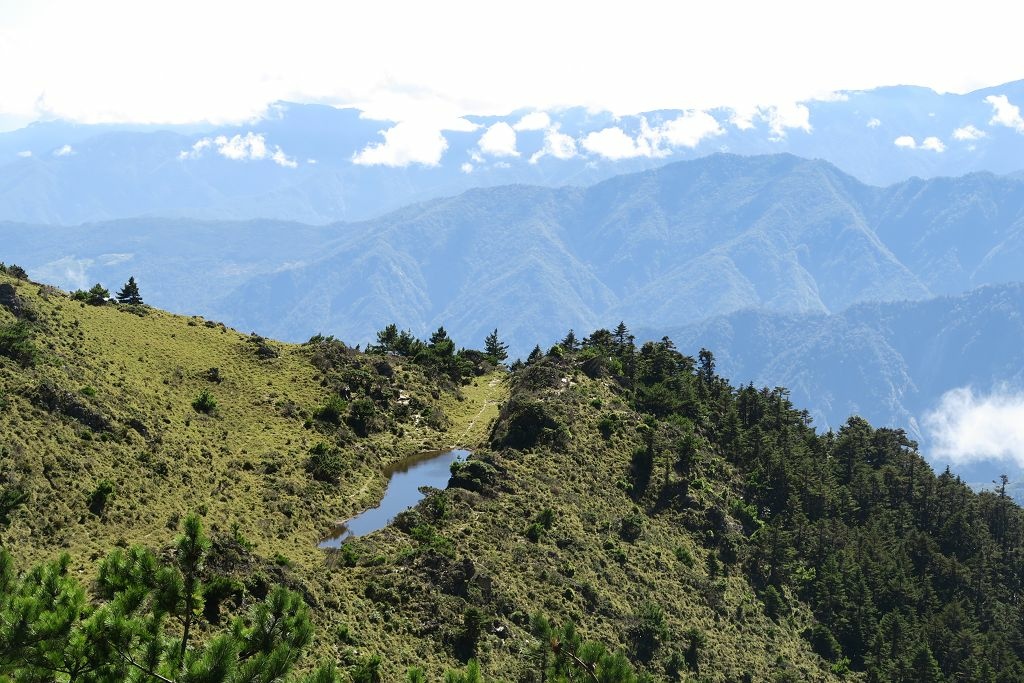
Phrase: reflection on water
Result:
[405,479]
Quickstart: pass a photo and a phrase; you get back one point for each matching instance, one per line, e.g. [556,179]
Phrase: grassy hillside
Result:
[705,532]
[109,399]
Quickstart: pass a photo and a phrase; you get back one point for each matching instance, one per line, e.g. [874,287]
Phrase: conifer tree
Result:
[496,349]
[129,294]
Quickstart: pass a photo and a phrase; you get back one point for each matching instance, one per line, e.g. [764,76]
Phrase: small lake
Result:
[404,481]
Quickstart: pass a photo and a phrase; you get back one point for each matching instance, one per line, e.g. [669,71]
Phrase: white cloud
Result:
[499,140]
[787,116]
[780,118]
[874,123]
[613,143]
[743,117]
[66,150]
[238,147]
[832,97]
[968,132]
[25,154]
[67,272]
[466,167]
[558,145]
[1005,114]
[535,120]
[312,162]
[930,143]
[405,143]
[689,129]
[248,147]
[966,427]
[282,159]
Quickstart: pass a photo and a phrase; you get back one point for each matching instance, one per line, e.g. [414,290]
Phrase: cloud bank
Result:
[248,147]
[930,143]
[687,130]
[968,133]
[1004,113]
[499,140]
[967,427]
[412,142]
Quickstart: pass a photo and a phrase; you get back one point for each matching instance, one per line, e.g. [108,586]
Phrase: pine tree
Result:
[129,294]
[535,355]
[496,349]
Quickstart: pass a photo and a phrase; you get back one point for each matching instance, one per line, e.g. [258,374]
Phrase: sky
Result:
[186,61]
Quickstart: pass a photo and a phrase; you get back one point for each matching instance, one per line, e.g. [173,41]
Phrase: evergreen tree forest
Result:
[910,575]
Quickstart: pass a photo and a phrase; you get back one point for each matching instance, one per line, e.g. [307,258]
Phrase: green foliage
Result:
[561,656]
[325,463]
[129,294]
[649,630]
[13,270]
[100,496]
[528,422]
[332,411]
[607,425]
[685,556]
[471,674]
[362,416]
[12,497]
[96,296]
[632,526]
[495,349]
[204,403]
[141,624]
[16,343]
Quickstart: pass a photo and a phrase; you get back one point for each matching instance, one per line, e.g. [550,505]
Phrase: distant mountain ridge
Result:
[299,162]
[660,248]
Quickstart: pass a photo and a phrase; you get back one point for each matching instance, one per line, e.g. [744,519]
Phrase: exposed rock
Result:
[10,300]
[58,400]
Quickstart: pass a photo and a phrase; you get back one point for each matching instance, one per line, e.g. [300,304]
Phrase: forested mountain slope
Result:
[705,532]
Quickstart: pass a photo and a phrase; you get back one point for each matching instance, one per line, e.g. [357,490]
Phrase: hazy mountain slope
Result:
[298,162]
[956,233]
[680,243]
[887,362]
[657,248]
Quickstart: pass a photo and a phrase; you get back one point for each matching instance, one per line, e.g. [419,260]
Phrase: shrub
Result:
[100,496]
[632,526]
[325,463]
[774,605]
[14,270]
[97,295]
[607,426]
[16,343]
[684,556]
[362,416]
[529,422]
[649,630]
[331,411]
[204,403]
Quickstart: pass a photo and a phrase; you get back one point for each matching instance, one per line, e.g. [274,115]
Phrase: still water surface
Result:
[405,479]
